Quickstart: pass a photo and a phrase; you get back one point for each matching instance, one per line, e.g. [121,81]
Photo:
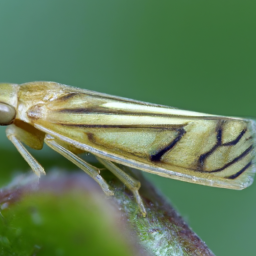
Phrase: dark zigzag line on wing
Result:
[235,141]
[219,144]
[246,152]
[157,156]
[234,176]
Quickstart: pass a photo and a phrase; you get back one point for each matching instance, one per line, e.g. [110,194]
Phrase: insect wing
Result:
[189,146]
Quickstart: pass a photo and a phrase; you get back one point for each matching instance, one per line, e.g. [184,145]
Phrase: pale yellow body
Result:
[189,146]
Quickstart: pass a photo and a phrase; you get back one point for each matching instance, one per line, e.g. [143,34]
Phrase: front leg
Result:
[30,136]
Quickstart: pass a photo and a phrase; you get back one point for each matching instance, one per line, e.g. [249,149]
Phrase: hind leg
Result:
[128,181]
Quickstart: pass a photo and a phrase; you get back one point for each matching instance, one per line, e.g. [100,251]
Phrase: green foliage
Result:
[69,223]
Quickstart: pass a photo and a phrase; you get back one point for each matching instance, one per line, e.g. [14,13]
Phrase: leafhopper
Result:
[184,145]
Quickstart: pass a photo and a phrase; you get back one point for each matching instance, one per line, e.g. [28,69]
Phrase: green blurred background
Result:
[195,55]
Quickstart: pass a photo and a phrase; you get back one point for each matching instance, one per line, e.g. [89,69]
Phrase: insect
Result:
[189,146]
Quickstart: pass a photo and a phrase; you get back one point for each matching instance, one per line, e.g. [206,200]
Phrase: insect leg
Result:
[128,181]
[87,168]
[13,134]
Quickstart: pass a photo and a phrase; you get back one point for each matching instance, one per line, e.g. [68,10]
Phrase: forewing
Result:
[189,146]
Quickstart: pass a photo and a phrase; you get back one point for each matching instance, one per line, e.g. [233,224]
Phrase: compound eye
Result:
[7,114]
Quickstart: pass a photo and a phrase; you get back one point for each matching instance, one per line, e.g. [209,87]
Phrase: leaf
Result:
[67,214]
